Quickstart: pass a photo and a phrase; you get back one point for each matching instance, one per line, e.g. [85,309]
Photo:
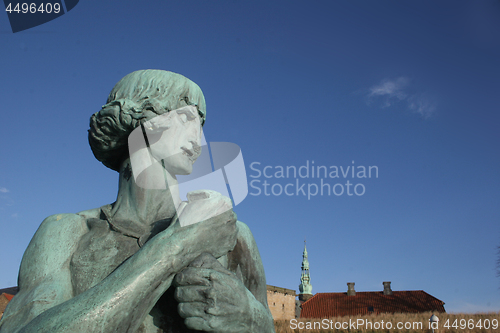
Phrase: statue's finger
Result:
[197,323]
[191,294]
[192,309]
[194,276]
[206,260]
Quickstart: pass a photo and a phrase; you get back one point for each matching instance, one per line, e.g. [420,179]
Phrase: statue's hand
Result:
[211,298]
[215,234]
[202,205]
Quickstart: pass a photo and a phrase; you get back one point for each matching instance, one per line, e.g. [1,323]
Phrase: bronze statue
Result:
[130,266]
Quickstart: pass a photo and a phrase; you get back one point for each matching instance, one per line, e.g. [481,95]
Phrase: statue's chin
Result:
[178,165]
[180,171]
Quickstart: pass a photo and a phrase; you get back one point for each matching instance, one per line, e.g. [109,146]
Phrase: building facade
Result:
[281,302]
[352,303]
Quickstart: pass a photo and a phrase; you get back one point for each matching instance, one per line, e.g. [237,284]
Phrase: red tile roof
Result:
[8,296]
[325,305]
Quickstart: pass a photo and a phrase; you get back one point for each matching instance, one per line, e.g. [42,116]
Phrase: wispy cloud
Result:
[421,104]
[5,199]
[392,91]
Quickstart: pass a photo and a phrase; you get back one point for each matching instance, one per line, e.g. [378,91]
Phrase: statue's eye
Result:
[183,117]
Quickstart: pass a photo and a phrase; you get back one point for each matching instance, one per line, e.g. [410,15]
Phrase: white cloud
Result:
[391,88]
[392,91]
[3,190]
[421,104]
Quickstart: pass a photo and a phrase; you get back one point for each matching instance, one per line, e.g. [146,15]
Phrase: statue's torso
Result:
[100,251]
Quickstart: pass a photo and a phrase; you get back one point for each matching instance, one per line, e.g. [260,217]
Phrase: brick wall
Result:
[281,302]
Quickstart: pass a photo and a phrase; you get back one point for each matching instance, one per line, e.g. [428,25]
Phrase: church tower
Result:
[305,286]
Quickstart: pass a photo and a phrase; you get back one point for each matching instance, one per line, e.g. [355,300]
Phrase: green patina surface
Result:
[129,266]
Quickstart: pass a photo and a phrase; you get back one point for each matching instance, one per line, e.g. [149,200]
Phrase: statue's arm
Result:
[44,277]
[248,258]
[121,301]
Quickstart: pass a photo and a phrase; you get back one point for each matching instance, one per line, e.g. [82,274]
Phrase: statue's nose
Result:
[195,133]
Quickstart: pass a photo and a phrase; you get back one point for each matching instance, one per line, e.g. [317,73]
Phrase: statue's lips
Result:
[189,152]
[192,154]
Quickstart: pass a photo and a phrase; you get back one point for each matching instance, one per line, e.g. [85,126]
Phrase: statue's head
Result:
[138,97]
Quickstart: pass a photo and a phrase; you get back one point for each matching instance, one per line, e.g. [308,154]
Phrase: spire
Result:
[305,286]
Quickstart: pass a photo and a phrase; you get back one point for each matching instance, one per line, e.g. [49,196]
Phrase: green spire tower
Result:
[305,286]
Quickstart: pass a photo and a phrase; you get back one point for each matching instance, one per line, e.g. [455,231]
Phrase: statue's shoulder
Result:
[244,233]
[246,246]
[243,229]
[56,225]
[44,276]
[245,258]
[72,221]
[52,245]
[55,234]
[91,213]
[59,233]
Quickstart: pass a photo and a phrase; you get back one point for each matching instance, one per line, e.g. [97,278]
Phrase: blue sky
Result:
[409,87]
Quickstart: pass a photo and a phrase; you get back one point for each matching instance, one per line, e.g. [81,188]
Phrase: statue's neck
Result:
[142,204]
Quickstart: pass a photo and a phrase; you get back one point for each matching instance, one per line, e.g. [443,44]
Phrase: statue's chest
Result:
[99,253]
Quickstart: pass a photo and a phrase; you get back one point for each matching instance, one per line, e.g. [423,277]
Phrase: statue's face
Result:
[175,138]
